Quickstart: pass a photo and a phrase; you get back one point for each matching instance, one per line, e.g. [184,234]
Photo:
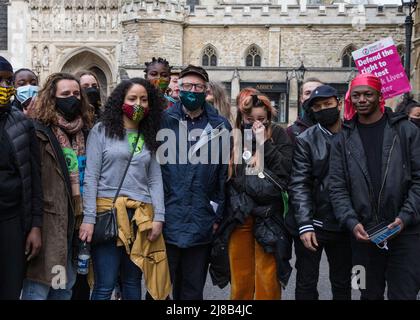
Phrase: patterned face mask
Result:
[160,83]
[135,112]
[5,94]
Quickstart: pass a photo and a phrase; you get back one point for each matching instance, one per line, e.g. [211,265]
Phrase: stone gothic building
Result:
[258,43]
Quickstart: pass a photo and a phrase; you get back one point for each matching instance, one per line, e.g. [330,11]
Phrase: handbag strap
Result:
[125,171]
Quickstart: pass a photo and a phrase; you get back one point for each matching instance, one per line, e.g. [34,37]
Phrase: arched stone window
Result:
[253,56]
[346,57]
[209,58]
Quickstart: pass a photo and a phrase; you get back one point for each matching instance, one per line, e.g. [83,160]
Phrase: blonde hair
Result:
[82,73]
[221,99]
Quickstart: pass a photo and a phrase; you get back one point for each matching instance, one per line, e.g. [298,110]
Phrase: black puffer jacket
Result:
[262,198]
[351,190]
[21,133]
[308,188]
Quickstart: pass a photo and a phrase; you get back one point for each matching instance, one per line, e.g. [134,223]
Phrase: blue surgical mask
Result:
[26,92]
[192,100]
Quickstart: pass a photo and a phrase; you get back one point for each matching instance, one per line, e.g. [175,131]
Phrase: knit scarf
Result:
[72,141]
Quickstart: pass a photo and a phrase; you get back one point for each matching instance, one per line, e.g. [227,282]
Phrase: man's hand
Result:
[397,222]
[360,233]
[86,232]
[156,231]
[33,243]
[309,240]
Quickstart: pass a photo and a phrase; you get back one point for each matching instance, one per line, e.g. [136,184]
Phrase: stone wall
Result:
[130,45]
[3,24]
[160,39]
[231,43]
[322,46]
[285,34]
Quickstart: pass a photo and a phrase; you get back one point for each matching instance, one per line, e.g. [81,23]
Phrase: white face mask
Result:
[26,92]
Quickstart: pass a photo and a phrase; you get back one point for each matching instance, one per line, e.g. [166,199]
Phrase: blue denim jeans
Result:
[109,262]
[33,290]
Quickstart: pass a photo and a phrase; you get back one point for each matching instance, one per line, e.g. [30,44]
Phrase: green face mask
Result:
[192,100]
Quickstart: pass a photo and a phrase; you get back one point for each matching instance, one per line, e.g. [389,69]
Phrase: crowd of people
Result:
[231,194]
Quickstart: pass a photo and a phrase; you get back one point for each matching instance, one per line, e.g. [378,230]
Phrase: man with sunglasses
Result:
[194,182]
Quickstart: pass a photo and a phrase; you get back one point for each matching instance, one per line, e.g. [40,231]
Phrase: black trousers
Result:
[398,268]
[188,269]
[81,289]
[12,261]
[338,250]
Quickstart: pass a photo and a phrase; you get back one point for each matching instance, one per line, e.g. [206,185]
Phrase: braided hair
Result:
[156,61]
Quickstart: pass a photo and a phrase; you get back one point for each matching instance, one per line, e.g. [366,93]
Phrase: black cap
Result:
[5,65]
[323,91]
[195,70]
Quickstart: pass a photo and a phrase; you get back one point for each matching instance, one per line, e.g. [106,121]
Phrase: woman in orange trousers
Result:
[257,177]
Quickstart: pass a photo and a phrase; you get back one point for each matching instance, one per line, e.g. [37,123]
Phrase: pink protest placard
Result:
[381,59]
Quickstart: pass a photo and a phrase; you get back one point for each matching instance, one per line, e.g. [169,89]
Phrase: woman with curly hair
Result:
[63,118]
[128,126]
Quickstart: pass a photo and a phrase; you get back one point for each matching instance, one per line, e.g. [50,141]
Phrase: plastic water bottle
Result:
[83,259]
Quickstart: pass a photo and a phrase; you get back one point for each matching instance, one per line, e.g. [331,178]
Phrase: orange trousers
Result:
[253,271]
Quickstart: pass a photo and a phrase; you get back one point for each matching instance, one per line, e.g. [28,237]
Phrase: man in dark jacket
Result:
[375,182]
[304,120]
[194,177]
[313,223]
[20,190]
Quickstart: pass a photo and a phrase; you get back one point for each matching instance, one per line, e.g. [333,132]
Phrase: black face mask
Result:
[94,96]
[416,121]
[69,107]
[327,117]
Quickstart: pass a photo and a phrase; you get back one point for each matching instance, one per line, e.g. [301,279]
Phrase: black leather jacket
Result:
[308,188]
[351,191]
